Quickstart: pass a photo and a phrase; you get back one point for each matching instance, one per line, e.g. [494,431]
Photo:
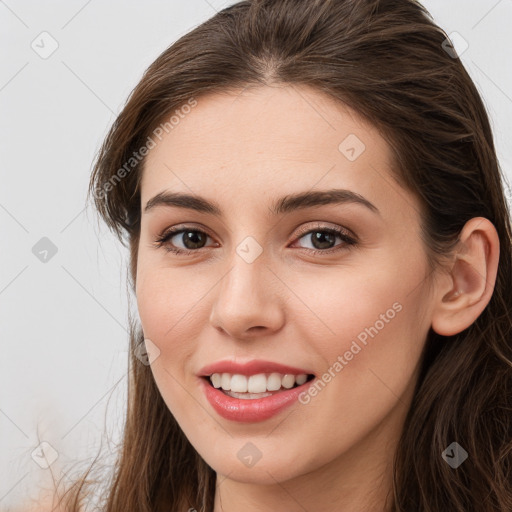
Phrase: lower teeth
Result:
[249,396]
[246,396]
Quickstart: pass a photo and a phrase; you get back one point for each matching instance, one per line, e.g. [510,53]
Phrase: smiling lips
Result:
[253,391]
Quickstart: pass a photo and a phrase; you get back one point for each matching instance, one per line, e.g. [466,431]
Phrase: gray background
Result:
[63,321]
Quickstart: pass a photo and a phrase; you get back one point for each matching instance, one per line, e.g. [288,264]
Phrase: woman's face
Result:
[268,280]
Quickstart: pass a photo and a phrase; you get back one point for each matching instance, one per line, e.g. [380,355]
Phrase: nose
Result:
[248,300]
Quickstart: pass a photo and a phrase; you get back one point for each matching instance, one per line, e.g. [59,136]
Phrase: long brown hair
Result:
[387,60]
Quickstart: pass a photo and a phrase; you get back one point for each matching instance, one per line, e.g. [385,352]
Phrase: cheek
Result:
[169,311]
[368,324]
[167,306]
[342,302]
[166,301]
[370,360]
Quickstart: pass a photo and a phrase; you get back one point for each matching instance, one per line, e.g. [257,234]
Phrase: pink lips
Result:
[250,368]
[250,410]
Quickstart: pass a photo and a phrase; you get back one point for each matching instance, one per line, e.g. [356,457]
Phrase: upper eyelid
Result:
[321,226]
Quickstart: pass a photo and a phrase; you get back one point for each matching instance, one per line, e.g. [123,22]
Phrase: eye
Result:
[321,238]
[192,240]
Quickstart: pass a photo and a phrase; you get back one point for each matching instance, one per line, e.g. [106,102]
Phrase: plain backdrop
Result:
[63,293]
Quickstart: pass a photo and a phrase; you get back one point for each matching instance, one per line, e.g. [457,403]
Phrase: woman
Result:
[321,253]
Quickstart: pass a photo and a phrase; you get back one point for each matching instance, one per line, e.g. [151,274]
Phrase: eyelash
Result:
[348,241]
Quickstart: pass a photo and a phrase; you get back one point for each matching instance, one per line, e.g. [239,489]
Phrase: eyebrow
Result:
[285,204]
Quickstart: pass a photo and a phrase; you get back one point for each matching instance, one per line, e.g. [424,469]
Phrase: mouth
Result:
[257,386]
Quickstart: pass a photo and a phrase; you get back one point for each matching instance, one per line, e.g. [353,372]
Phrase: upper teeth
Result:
[258,383]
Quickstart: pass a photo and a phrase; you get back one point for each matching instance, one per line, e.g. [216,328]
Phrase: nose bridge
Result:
[245,297]
[248,273]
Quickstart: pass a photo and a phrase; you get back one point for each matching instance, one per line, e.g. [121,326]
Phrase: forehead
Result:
[284,120]
[260,141]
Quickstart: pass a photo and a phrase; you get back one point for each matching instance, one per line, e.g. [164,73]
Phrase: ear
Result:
[468,287]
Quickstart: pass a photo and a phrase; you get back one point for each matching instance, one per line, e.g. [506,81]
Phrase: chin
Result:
[245,463]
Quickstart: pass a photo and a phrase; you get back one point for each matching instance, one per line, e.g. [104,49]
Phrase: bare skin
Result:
[290,305]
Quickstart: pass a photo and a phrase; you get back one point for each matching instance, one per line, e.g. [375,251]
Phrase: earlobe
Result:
[469,286]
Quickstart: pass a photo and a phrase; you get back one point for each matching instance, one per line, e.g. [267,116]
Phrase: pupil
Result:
[318,239]
[192,239]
